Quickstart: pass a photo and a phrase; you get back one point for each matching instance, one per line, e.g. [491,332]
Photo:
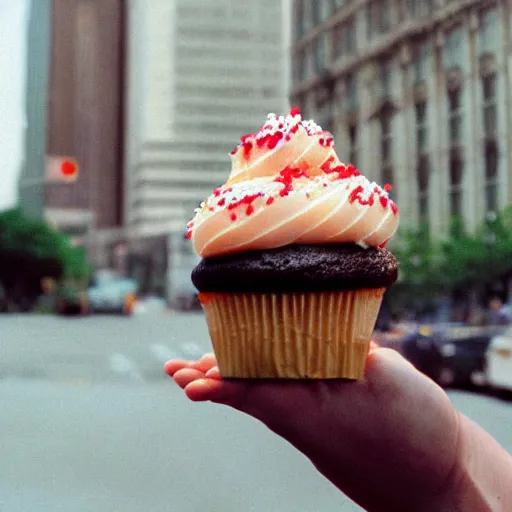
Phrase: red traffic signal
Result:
[61,169]
[68,168]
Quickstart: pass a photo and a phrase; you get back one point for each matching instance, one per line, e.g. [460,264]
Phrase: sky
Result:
[13,27]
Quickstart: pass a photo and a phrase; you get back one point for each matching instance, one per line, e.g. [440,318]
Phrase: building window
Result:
[456,172]
[325,9]
[352,141]
[421,128]
[386,140]
[454,48]
[350,93]
[320,57]
[386,147]
[454,116]
[489,105]
[420,8]
[489,34]
[385,79]
[379,17]
[300,26]
[301,66]
[344,40]
[491,179]
[423,180]
[420,63]
[422,169]
[303,17]
[321,10]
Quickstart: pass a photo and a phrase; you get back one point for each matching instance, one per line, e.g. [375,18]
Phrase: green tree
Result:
[429,268]
[31,250]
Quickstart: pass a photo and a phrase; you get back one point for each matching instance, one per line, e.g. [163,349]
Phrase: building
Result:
[74,109]
[14,27]
[418,94]
[201,74]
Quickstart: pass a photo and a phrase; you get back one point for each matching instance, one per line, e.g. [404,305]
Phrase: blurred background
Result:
[117,117]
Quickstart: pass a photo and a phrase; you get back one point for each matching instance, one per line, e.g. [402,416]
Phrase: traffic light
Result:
[61,169]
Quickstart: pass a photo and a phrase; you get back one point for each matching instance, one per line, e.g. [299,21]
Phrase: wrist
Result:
[481,480]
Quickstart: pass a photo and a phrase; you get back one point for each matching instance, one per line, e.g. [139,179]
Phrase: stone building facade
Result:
[418,94]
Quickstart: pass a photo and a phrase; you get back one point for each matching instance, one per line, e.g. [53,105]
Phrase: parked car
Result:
[111,293]
[498,362]
[188,302]
[71,300]
[452,355]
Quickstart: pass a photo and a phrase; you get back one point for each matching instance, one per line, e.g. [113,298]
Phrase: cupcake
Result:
[294,264]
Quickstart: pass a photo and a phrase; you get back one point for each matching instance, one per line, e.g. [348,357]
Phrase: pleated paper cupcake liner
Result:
[292,335]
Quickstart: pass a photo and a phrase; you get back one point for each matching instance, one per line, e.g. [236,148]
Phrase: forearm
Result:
[482,480]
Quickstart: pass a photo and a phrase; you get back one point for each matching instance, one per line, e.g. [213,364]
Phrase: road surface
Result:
[90,423]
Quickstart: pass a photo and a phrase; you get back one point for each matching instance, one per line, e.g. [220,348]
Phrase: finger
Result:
[207,362]
[187,375]
[219,391]
[213,373]
[174,365]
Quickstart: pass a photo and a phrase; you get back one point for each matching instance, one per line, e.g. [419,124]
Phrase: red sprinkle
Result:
[288,137]
[287,177]
[383,245]
[247,149]
[394,208]
[321,142]
[248,200]
[295,112]
[262,140]
[217,192]
[355,195]
[188,235]
[233,217]
[384,201]
[221,201]
[326,166]
[269,201]
[387,187]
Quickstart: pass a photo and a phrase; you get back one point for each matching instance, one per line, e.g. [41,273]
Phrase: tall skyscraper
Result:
[75,90]
[202,74]
[85,113]
[31,189]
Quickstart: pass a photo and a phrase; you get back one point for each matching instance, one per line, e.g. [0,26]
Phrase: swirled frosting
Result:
[287,186]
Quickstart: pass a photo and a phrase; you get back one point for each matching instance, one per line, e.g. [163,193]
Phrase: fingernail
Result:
[213,372]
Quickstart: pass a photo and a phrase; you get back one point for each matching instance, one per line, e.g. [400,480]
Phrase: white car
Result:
[111,293]
[499,361]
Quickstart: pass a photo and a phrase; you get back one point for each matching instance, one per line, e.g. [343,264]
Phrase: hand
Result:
[390,441]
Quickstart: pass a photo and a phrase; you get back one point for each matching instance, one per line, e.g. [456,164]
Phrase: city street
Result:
[90,423]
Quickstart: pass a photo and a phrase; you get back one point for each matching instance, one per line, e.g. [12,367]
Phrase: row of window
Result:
[456,161]
[342,41]
[309,13]
[381,16]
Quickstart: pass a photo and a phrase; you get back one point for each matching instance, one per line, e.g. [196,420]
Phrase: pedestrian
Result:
[496,314]
[391,441]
